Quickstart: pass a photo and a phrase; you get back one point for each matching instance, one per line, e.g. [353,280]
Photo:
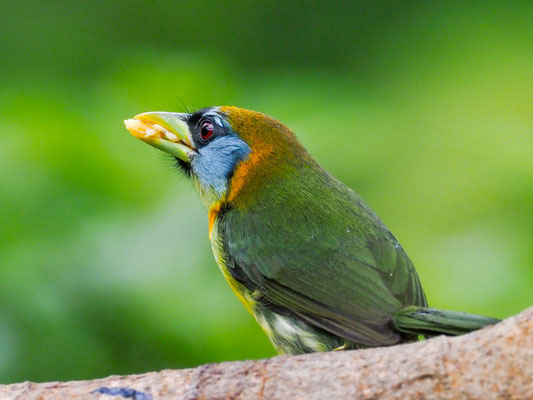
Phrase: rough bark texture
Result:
[493,363]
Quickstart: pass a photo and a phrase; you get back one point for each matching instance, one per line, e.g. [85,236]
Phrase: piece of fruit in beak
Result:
[165,131]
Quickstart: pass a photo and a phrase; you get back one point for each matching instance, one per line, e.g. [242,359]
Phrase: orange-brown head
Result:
[231,153]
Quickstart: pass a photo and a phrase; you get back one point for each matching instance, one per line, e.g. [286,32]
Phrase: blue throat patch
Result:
[216,161]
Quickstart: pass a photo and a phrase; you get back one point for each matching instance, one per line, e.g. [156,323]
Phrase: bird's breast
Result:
[221,258]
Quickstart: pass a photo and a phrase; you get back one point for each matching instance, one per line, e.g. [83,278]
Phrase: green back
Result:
[310,246]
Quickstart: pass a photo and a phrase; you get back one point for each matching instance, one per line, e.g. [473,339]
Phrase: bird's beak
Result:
[165,131]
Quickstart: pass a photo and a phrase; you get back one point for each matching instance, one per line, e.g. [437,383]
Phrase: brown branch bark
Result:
[493,363]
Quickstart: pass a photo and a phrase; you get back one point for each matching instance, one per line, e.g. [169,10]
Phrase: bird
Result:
[303,252]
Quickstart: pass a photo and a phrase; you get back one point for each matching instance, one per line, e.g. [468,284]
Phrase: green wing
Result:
[323,255]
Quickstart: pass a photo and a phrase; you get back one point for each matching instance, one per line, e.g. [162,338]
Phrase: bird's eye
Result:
[206,131]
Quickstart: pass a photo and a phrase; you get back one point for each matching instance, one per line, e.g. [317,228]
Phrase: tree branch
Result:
[493,363]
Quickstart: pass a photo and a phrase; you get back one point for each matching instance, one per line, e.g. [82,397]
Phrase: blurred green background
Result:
[424,108]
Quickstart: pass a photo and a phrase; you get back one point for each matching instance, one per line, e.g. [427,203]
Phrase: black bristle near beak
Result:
[183,166]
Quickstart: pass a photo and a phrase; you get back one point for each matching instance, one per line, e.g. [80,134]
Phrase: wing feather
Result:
[333,263]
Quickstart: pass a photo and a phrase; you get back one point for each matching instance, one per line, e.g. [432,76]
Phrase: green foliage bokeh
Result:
[423,108]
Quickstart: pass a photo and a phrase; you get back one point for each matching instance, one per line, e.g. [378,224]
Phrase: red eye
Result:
[207,130]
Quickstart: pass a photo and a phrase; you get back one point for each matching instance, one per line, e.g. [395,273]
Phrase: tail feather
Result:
[431,322]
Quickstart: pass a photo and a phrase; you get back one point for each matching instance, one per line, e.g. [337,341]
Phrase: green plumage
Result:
[310,249]
[431,322]
[311,261]
[313,256]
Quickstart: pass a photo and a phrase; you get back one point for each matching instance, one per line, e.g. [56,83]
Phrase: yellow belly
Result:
[288,335]
[220,257]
